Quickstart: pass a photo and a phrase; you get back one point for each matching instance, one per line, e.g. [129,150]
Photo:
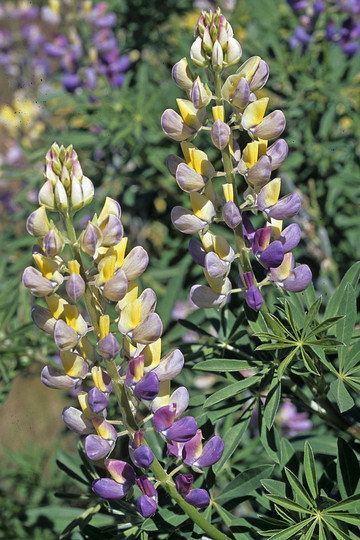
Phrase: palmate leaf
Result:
[232,440]
[339,534]
[223,365]
[341,395]
[298,488]
[311,315]
[245,482]
[310,470]
[347,469]
[345,326]
[272,402]
[291,531]
[352,277]
[231,390]
[288,504]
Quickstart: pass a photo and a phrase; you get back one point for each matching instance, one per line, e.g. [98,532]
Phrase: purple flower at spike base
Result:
[123,478]
[253,296]
[195,455]
[196,497]
[147,502]
[180,430]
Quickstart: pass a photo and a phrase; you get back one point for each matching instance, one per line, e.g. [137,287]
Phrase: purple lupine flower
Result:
[253,296]
[195,455]
[98,401]
[123,478]
[180,430]
[290,421]
[71,81]
[196,497]
[147,502]
[97,448]
[57,48]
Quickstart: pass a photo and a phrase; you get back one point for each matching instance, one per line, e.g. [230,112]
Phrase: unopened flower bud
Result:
[46,195]
[65,177]
[196,53]
[233,52]
[109,347]
[182,75]
[217,57]
[37,223]
[200,96]
[231,214]
[54,243]
[50,174]
[75,287]
[61,199]
[90,239]
[220,134]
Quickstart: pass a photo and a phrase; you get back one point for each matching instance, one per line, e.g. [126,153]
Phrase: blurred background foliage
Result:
[112,117]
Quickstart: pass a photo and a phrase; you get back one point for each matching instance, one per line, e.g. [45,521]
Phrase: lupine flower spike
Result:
[203,107]
[125,356]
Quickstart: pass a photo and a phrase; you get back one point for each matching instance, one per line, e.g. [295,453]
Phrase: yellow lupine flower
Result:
[130,316]
[228,190]
[107,268]
[152,354]
[56,305]
[72,363]
[202,206]
[218,113]
[84,404]
[188,113]
[104,325]
[163,396]
[130,296]
[47,267]
[254,113]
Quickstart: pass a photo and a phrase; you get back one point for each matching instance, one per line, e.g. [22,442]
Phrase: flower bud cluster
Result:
[255,162]
[127,359]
